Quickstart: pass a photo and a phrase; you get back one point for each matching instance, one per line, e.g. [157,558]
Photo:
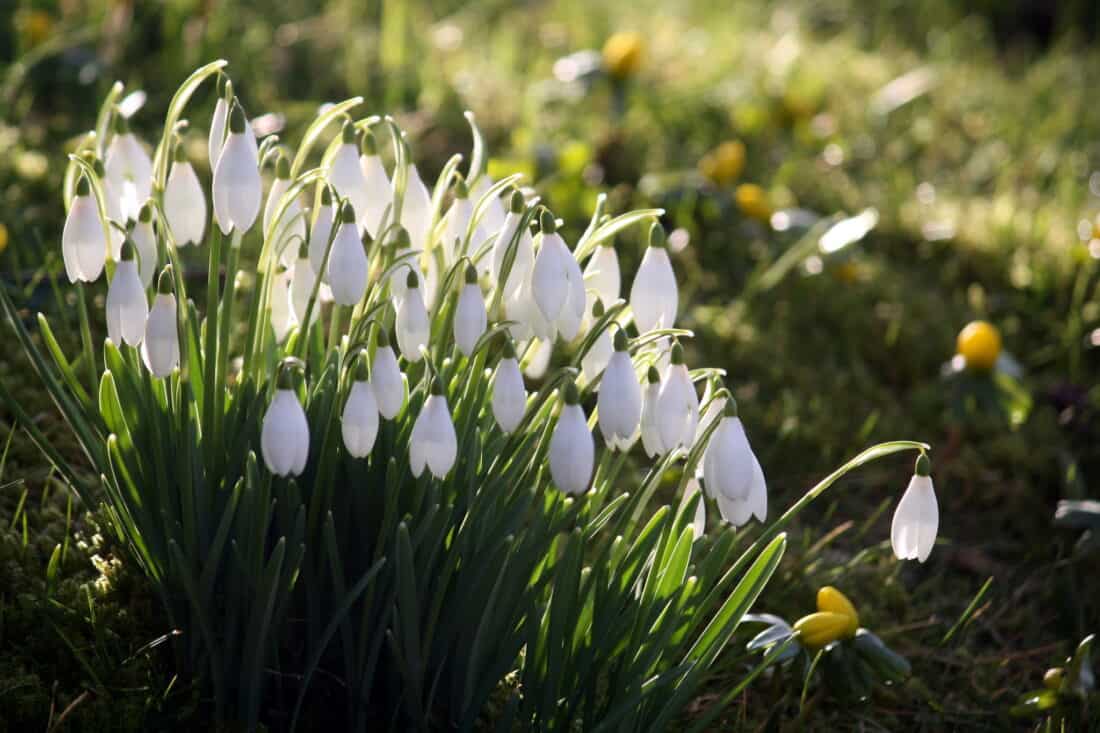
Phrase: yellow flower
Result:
[753,201]
[622,54]
[3,237]
[831,600]
[846,272]
[979,343]
[35,25]
[822,628]
[724,163]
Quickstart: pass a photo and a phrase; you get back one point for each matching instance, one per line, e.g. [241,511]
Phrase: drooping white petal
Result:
[347,266]
[83,242]
[470,318]
[238,189]
[493,218]
[699,524]
[677,409]
[284,437]
[217,131]
[524,258]
[651,432]
[379,193]
[572,315]
[602,275]
[127,162]
[390,387]
[454,233]
[572,451]
[160,349]
[359,422]
[145,242]
[278,187]
[433,442]
[282,317]
[620,402]
[916,521]
[413,325]
[416,209]
[113,196]
[509,395]
[595,361]
[537,360]
[303,280]
[739,511]
[126,306]
[185,205]
[346,176]
[728,461]
[550,277]
[318,238]
[654,297]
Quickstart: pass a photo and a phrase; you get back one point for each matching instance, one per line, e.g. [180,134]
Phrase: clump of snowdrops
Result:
[390,442]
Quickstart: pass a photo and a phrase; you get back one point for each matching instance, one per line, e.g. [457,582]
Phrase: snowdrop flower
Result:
[728,461]
[346,174]
[433,442]
[699,524]
[537,359]
[601,274]
[595,360]
[654,297]
[399,277]
[237,185]
[160,349]
[651,431]
[184,202]
[572,449]
[458,223]
[321,232]
[509,393]
[678,405]
[282,317]
[917,519]
[128,168]
[83,241]
[145,242]
[359,421]
[377,184]
[413,325]
[557,283]
[217,125]
[302,282]
[493,217]
[347,261]
[470,316]
[292,224]
[739,511]
[416,209]
[524,257]
[284,437]
[620,399]
[127,308]
[390,386]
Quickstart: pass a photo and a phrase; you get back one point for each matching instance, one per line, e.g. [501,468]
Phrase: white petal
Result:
[126,306]
[388,382]
[83,241]
[185,205]
[572,315]
[442,442]
[470,318]
[359,422]
[379,193]
[678,409]
[595,361]
[602,275]
[550,277]
[494,215]
[303,282]
[127,161]
[160,349]
[237,185]
[284,438]
[651,433]
[346,176]
[699,525]
[413,325]
[347,266]
[145,242]
[454,234]
[538,359]
[524,258]
[217,131]
[416,209]
[281,315]
[620,401]
[728,461]
[572,451]
[509,395]
[916,521]
[654,295]
[318,238]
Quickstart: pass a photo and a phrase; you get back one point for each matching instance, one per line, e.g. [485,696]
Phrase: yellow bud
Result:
[1052,680]
[831,600]
[753,201]
[980,344]
[622,54]
[822,628]
[724,163]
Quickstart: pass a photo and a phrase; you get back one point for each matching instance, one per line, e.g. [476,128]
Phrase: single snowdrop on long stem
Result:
[917,518]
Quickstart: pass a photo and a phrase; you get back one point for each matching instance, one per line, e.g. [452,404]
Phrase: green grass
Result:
[981,182]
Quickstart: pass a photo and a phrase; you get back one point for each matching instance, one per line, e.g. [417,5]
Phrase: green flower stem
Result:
[86,338]
[210,349]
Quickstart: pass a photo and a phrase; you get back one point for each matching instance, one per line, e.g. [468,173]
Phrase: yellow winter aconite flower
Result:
[822,628]
[753,201]
[831,600]
[724,163]
[3,237]
[980,344]
[622,54]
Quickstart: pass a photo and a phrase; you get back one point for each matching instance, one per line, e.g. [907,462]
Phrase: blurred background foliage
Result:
[967,127]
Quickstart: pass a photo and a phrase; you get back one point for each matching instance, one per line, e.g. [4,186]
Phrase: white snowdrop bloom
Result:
[321,231]
[470,317]
[654,297]
[715,407]
[145,242]
[620,398]
[728,459]
[129,169]
[537,359]
[216,139]
[416,209]
[493,217]
[572,448]
[83,241]
[184,202]
[699,524]
[739,511]
[291,226]
[509,392]
[458,224]
[284,437]
[433,442]
[413,324]
[119,211]
[160,349]
[282,316]
[402,251]
[377,183]
[302,282]
[359,421]
[390,386]
[651,432]
[127,307]
[917,519]
[346,175]
[602,276]
[524,258]
[347,261]
[238,189]
[595,360]
[557,283]
[678,405]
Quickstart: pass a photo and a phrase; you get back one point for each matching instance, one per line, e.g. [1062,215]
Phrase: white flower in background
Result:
[572,449]
[390,386]
[602,276]
[651,431]
[160,349]
[413,324]
[347,262]
[678,405]
[83,241]
[557,284]
[654,297]
[284,437]
[129,170]
[699,524]
[145,242]
[402,251]
[217,125]
[728,459]
[416,209]
[321,231]
[620,398]
[493,218]
[524,258]
[537,359]
[346,175]
[377,183]
[184,202]
[282,317]
[458,223]
[509,392]
[291,227]
[127,307]
[595,360]
[359,421]
[470,317]
[917,519]
[433,442]
[302,283]
[238,189]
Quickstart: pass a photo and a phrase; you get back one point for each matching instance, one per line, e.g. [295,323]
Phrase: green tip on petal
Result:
[462,191]
[100,171]
[369,144]
[412,281]
[367,240]
[165,282]
[303,250]
[547,223]
[437,386]
[570,394]
[282,168]
[509,348]
[471,274]
[127,250]
[924,465]
[621,342]
[677,353]
[179,155]
[362,370]
[326,196]
[349,135]
[382,339]
[286,378]
[145,215]
[730,409]
[653,376]
[236,119]
[83,188]
[598,309]
[222,81]
[347,213]
[656,235]
[401,238]
[518,203]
